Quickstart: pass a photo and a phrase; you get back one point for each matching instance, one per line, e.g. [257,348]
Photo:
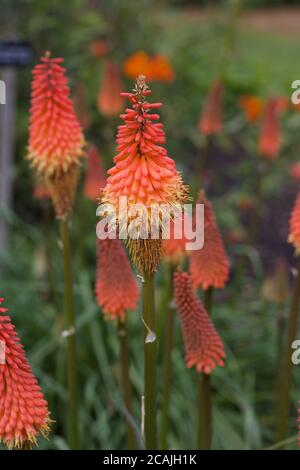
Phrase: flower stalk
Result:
[70,337]
[126,384]
[149,362]
[167,367]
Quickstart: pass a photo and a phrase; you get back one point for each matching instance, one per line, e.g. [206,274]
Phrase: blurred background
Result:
[186,45]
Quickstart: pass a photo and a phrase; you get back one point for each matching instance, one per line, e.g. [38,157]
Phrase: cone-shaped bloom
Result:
[144,173]
[209,266]
[109,100]
[95,176]
[116,286]
[55,136]
[252,106]
[23,410]
[270,135]
[294,232]
[203,346]
[211,118]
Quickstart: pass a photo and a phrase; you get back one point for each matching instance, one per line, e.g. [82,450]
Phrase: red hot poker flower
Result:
[95,177]
[55,137]
[211,119]
[109,100]
[143,171]
[203,347]
[209,266]
[294,232]
[270,136]
[116,286]
[23,410]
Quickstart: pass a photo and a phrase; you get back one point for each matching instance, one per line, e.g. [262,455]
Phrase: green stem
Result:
[167,368]
[286,370]
[204,396]
[149,363]
[70,326]
[126,384]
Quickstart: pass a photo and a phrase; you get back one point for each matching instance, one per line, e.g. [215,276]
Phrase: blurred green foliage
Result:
[261,64]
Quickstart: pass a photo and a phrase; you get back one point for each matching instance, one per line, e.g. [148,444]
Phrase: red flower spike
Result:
[55,136]
[211,119]
[294,225]
[95,177]
[116,286]
[270,136]
[209,266]
[23,410]
[109,101]
[203,347]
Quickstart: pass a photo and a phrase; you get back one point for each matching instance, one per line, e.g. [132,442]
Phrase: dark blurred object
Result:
[15,53]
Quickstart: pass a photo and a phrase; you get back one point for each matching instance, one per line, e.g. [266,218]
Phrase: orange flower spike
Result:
[116,286]
[95,176]
[209,266]
[55,137]
[252,106]
[204,348]
[211,119]
[294,224]
[143,171]
[137,64]
[109,101]
[23,410]
[270,136]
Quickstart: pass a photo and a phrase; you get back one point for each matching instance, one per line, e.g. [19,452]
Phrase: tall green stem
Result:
[204,397]
[167,368]
[286,370]
[149,363]
[126,384]
[70,326]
